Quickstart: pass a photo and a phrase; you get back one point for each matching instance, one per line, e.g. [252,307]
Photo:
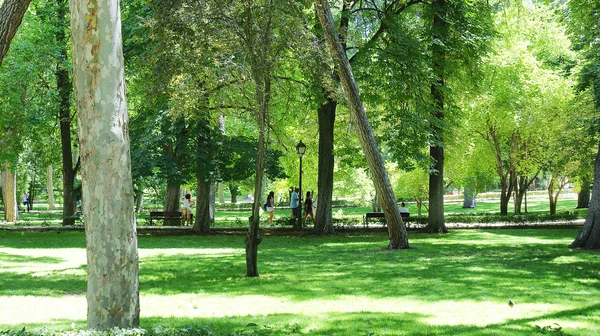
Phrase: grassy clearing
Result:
[458,283]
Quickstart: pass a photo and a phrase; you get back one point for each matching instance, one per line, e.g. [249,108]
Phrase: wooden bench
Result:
[164,215]
[368,215]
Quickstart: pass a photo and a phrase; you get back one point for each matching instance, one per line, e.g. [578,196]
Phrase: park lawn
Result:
[454,284]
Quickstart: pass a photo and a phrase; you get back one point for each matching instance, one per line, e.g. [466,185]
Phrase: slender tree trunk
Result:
[112,258]
[396,228]
[50,188]
[323,219]
[212,197]
[11,15]
[583,196]
[253,237]
[139,200]
[589,236]
[436,222]
[9,195]
[221,193]
[65,87]
[202,220]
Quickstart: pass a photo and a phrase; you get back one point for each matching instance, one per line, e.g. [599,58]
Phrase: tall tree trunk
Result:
[253,237]
[65,87]
[396,228]
[234,190]
[172,202]
[469,197]
[9,195]
[139,200]
[50,188]
[212,196]
[436,222]
[583,196]
[552,196]
[323,218]
[112,257]
[202,221]
[11,15]
[589,236]
[221,193]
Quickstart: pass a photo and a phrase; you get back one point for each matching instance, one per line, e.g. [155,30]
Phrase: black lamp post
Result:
[300,149]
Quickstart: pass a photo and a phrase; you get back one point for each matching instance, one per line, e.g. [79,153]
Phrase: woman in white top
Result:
[186,210]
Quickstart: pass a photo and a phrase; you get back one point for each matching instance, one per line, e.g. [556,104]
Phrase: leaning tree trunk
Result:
[323,217]
[11,15]
[396,228]
[589,237]
[202,220]
[99,82]
[583,196]
[172,202]
[9,195]
[50,188]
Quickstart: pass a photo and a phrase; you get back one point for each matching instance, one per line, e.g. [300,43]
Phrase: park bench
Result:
[164,215]
[381,217]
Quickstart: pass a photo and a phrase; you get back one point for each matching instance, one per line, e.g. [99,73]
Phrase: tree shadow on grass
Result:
[17,258]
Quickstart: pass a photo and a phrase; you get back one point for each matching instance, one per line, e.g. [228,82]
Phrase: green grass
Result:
[454,284]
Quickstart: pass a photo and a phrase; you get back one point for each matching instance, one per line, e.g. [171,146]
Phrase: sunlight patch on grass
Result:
[41,262]
[218,252]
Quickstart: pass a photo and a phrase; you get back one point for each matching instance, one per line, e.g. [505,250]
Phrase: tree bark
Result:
[469,197]
[436,222]
[234,191]
[99,82]
[9,195]
[583,196]
[65,87]
[212,196]
[589,236]
[202,221]
[50,188]
[323,217]
[11,15]
[139,200]
[396,228]
[172,202]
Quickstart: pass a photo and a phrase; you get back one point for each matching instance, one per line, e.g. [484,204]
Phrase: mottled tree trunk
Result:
[50,188]
[589,236]
[99,81]
[583,196]
[11,15]
[323,217]
[9,195]
[396,228]
[202,220]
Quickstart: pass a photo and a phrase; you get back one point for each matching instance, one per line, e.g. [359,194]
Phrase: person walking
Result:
[308,208]
[270,207]
[295,203]
[26,200]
